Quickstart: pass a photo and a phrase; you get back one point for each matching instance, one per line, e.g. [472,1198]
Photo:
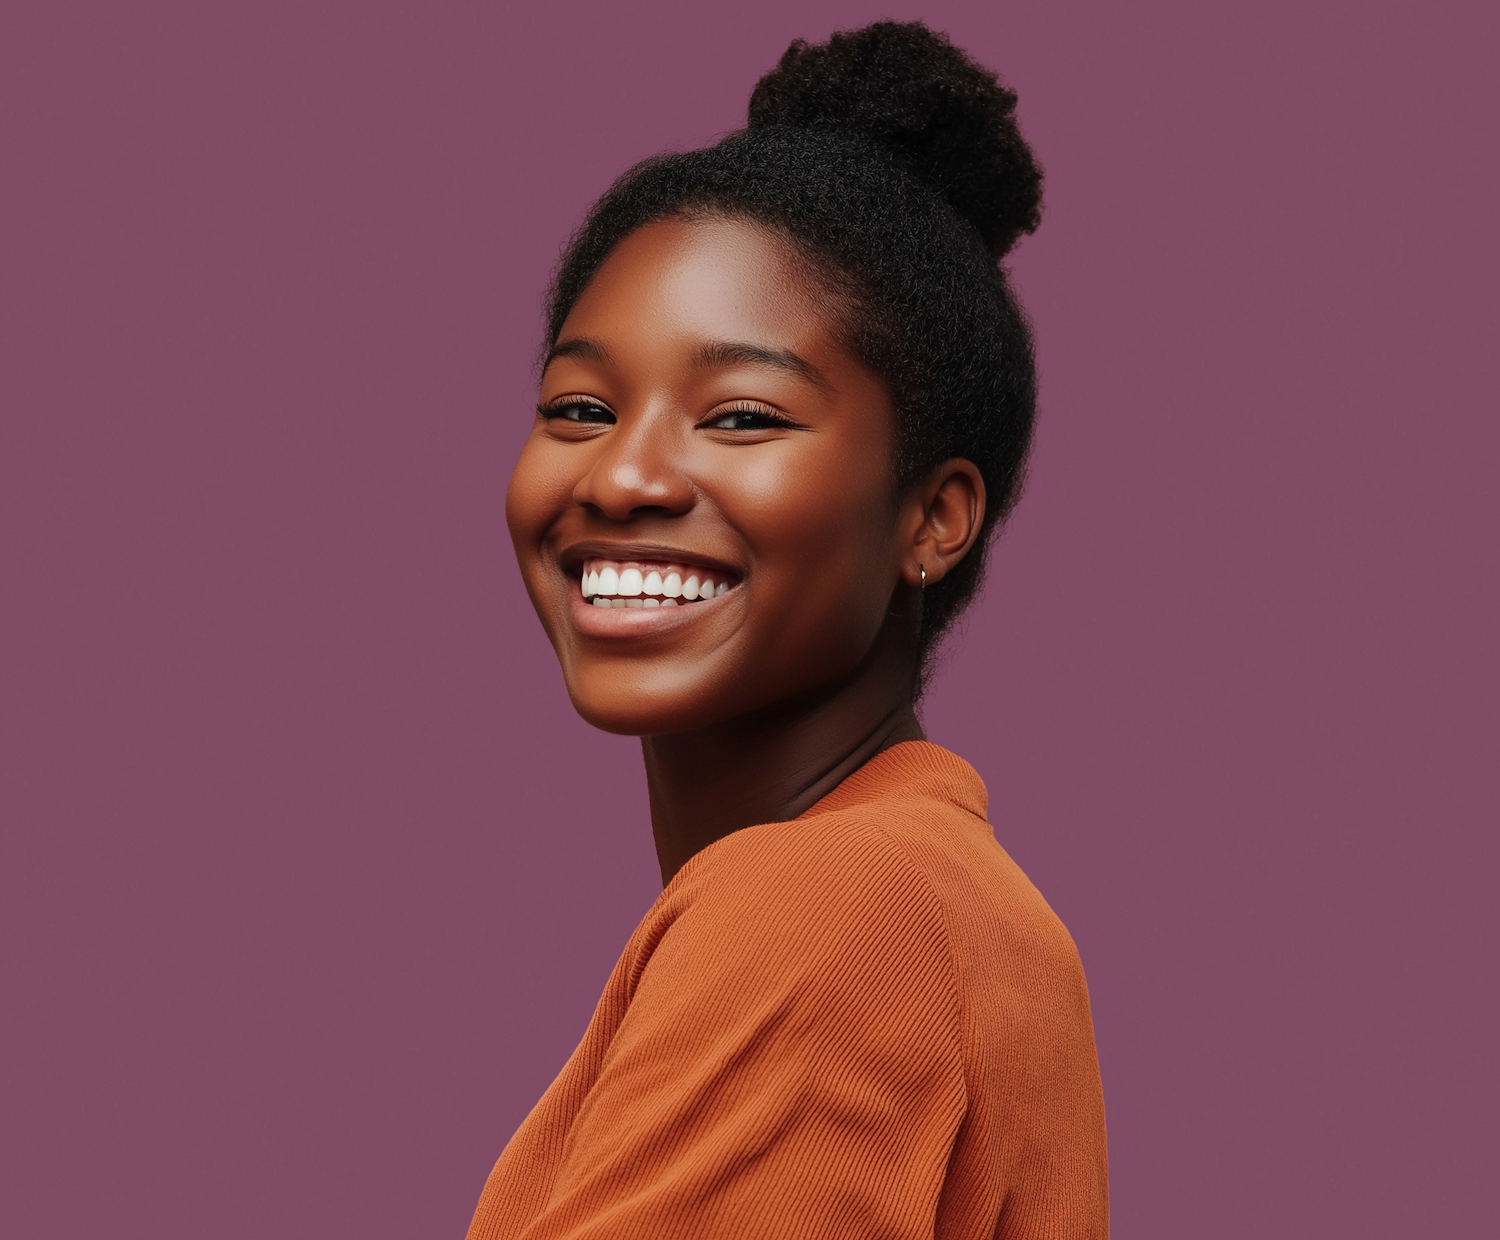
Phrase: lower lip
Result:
[626,622]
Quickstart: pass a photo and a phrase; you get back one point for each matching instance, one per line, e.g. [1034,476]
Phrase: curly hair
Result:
[893,164]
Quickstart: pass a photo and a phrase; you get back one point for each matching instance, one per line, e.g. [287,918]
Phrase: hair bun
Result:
[909,89]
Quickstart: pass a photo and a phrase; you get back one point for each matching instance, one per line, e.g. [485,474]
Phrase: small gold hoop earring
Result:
[922,568]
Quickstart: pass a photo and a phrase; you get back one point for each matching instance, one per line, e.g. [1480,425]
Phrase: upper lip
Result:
[573,556]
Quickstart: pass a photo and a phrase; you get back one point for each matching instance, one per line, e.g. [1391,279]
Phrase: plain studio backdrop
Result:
[311,877]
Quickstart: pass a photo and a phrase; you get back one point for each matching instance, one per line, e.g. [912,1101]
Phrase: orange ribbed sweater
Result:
[864,1022]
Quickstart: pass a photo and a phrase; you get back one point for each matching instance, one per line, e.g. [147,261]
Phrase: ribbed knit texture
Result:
[865,1022]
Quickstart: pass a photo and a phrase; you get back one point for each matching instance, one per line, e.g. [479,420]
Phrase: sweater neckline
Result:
[912,769]
[917,768]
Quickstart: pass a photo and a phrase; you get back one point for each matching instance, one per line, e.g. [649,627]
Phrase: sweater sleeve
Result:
[790,1063]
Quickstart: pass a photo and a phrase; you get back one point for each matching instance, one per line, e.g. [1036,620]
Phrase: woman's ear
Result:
[940,518]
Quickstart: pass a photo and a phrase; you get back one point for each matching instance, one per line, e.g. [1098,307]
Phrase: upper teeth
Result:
[611,583]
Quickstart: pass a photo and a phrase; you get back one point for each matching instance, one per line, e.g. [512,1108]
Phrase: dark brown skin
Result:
[771,465]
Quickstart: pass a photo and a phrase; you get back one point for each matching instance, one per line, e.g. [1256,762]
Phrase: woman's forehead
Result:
[711,278]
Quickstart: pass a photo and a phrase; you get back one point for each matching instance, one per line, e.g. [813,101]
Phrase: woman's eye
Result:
[578,411]
[747,420]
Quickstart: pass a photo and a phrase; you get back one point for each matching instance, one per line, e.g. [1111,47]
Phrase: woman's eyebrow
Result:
[739,353]
[583,347]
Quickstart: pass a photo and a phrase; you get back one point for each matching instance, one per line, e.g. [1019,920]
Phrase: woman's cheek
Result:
[823,576]
[824,519]
[791,491]
[539,491]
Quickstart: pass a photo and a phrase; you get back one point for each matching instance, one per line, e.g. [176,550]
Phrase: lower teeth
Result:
[634,602]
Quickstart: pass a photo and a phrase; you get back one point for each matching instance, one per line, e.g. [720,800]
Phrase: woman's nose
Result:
[637,471]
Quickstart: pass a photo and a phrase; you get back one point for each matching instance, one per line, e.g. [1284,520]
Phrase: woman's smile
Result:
[612,583]
[625,596]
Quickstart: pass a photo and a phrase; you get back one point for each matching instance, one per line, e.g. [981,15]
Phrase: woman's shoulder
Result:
[900,859]
[811,879]
[808,926]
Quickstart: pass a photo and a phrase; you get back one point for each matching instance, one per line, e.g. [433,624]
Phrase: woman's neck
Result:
[776,763]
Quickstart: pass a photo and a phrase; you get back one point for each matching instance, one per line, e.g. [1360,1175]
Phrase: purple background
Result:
[310,877]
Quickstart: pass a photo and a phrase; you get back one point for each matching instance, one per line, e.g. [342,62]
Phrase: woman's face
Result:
[700,423]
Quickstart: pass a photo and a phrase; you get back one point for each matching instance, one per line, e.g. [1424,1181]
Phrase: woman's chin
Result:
[641,706]
[627,713]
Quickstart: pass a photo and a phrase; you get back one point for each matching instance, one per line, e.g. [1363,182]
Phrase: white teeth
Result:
[608,585]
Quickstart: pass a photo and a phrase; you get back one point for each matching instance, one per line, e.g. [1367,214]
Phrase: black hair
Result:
[892,162]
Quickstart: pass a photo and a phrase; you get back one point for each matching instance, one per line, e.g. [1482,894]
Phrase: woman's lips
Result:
[637,584]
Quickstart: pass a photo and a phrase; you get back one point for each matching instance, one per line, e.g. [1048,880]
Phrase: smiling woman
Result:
[786,400]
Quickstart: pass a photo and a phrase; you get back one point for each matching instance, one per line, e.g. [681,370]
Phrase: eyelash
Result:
[748,409]
[561,409]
